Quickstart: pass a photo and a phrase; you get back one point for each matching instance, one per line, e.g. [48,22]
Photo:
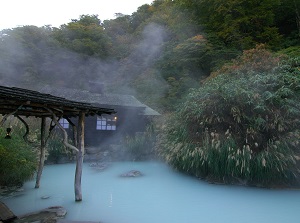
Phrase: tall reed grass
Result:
[242,126]
[224,161]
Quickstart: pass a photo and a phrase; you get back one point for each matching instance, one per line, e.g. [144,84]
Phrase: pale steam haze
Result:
[14,13]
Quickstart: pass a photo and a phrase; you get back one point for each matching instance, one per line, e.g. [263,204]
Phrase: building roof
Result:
[19,101]
[97,99]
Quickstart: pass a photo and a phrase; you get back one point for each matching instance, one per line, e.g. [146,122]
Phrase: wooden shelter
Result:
[132,118]
[22,102]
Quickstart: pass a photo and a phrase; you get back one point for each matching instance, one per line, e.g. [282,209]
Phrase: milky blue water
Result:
[160,196]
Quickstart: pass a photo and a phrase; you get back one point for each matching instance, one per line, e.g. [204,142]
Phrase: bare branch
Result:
[25,136]
[65,139]
[50,133]
[5,117]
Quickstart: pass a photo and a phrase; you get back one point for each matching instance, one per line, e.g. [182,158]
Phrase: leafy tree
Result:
[143,13]
[85,36]
[30,54]
[23,53]
[174,25]
[193,55]
[120,31]
[241,24]
[258,59]
[175,43]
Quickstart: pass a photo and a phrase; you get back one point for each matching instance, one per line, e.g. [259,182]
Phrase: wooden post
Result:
[79,157]
[42,151]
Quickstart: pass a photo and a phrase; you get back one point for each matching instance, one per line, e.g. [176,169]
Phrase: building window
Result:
[64,123]
[106,123]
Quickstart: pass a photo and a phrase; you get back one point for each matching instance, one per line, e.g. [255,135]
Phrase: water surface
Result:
[160,196]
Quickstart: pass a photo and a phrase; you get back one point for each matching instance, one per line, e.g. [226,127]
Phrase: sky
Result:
[14,13]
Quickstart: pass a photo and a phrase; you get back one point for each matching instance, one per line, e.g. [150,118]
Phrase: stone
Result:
[132,173]
[99,165]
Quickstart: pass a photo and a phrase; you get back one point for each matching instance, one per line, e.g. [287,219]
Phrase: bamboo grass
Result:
[242,127]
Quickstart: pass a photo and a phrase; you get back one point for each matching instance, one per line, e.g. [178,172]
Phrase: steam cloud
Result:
[32,66]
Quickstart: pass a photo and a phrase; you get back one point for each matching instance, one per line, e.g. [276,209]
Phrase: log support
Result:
[42,152]
[79,157]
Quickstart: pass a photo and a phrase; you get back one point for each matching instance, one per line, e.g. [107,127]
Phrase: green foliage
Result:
[192,54]
[145,83]
[293,51]
[85,36]
[18,161]
[136,146]
[120,31]
[170,45]
[287,20]
[239,125]
[20,52]
[142,14]
[241,24]
[224,161]
[30,55]
[56,149]
[258,59]
[175,43]
[141,146]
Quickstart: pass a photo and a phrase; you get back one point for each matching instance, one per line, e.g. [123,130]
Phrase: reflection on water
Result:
[159,196]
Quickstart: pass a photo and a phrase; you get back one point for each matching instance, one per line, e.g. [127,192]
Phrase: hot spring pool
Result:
[161,195]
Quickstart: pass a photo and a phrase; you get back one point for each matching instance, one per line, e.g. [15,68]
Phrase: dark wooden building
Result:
[131,116]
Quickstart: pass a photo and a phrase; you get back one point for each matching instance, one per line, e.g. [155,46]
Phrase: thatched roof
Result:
[107,100]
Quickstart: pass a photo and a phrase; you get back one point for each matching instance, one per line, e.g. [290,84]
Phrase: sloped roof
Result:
[19,101]
[151,112]
[99,99]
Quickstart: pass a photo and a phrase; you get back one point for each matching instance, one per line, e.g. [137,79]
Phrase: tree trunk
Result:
[42,155]
[79,157]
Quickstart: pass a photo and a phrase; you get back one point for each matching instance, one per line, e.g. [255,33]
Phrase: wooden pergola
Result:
[22,102]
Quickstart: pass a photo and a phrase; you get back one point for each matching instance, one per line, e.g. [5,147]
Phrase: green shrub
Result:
[141,146]
[56,149]
[18,161]
[239,126]
[293,51]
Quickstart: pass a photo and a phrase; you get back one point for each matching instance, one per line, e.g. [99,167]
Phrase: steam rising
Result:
[34,65]
[139,63]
